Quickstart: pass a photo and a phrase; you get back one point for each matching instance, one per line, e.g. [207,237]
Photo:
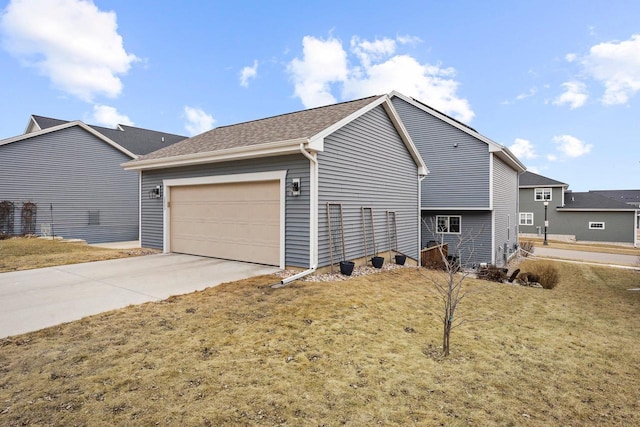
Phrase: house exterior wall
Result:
[475,228]
[458,163]
[75,173]
[366,164]
[296,207]
[505,210]
[619,226]
[529,204]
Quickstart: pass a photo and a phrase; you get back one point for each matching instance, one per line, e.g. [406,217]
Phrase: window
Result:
[448,224]
[526,218]
[596,225]
[542,194]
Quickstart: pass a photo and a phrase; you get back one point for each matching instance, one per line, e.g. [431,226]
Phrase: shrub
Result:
[527,248]
[541,272]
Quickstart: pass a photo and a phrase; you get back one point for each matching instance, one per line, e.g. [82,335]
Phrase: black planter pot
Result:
[346,267]
[377,261]
[401,259]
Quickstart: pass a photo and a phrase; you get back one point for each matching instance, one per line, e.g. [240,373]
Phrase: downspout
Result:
[313,220]
[420,179]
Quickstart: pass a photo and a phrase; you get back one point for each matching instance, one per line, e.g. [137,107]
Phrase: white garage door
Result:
[238,221]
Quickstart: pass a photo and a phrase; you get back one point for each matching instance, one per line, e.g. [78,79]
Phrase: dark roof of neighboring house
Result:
[137,140]
[530,179]
[285,127]
[631,197]
[590,200]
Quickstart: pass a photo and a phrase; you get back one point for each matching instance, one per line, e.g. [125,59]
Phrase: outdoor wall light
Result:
[295,187]
[155,193]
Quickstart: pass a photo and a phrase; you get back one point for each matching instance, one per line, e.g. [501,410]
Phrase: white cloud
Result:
[323,62]
[408,39]
[552,157]
[571,146]
[617,66]
[528,94]
[570,57]
[248,73]
[523,149]
[376,50]
[379,69]
[109,117]
[575,95]
[72,42]
[197,120]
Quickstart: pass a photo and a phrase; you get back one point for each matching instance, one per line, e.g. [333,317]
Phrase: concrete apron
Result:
[35,299]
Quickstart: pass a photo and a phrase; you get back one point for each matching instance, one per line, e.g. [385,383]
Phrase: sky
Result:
[558,82]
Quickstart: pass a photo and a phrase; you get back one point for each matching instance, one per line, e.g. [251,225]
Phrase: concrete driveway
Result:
[35,299]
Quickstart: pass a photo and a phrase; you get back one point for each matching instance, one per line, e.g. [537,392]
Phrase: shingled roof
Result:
[139,141]
[630,197]
[591,201]
[530,179]
[285,127]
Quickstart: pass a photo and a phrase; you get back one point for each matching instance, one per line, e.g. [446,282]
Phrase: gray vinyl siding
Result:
[296,211]
[527,203]
[74,172]
[475,228]
[505,206]
[366,164]
[458,163]
[619,226]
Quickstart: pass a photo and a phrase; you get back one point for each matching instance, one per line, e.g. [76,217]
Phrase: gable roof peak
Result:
[530,179]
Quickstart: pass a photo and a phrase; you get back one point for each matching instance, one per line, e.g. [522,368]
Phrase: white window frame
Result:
[523,218]
[595,225]
[448,226]
[542,191]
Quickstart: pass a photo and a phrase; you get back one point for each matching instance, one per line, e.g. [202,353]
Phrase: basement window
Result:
[596,225]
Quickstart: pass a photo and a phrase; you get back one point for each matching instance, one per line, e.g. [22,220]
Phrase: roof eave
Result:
[543,185]
[290,146]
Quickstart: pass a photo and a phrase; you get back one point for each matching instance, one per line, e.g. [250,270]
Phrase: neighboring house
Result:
[630,197]
[574,216]
[472,187]
[71,172]
[261,191]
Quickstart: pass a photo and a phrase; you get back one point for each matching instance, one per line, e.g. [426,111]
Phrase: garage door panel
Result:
[238,221]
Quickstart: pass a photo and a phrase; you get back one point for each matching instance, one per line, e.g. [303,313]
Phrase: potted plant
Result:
[401,259]
[346,267]
[377,261]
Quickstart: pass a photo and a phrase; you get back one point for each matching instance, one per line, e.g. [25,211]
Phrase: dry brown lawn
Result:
[359,352]
[27,253]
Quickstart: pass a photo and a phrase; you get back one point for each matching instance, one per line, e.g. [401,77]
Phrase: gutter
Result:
[313,220]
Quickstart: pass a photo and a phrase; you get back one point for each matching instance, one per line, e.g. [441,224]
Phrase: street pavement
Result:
[597,257]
